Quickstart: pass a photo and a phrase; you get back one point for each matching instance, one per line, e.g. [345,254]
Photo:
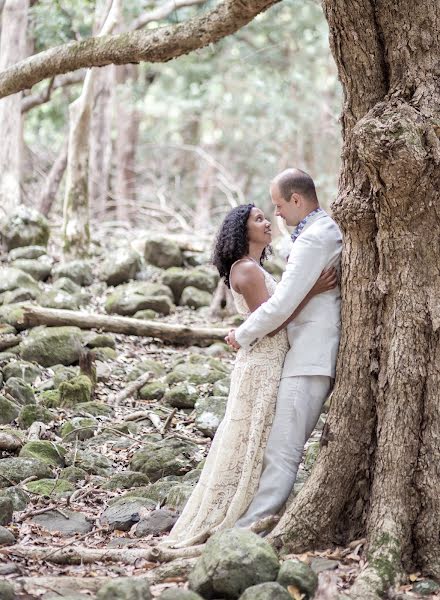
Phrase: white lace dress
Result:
[232,470]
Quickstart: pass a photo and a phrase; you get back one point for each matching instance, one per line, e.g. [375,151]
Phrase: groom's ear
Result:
[295,198]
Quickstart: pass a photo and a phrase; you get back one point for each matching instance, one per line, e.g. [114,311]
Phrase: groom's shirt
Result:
[314,333]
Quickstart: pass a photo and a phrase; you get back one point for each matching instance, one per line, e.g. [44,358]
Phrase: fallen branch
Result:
[178,334]
[80,554]
[131,389]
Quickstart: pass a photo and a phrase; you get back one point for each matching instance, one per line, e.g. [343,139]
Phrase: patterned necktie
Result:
[302,223]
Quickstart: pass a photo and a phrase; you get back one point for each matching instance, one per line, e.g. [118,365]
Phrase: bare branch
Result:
[161,12]
[159,45]
[33,100]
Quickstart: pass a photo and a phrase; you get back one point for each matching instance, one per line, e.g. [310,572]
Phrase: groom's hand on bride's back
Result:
[231,341]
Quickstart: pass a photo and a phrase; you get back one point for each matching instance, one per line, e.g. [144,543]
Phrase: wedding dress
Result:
[230,476]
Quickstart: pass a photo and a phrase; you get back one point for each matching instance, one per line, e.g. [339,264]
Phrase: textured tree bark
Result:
[53,180]
[157,45]
[376,473]
[12,50]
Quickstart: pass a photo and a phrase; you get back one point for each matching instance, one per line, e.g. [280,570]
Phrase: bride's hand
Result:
[327,281]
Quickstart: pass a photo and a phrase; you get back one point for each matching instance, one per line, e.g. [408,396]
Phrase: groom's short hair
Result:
[295,180]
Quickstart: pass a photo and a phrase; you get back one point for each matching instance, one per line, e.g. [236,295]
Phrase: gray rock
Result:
[158,521]
[178,279]
[6,591]
[232,561]
[153,391]
[126,480]
[297,573]
[31,413]
[427,587]
[182,395]
[6,510]
[266,591]
[22,369]
[196,374]
[221,387]
[46,452]
[13,314]
[54,521]
[98,340]
[177,594]
[78,271]
[157,491]
[194,298]
[52,345]
[146,315]
[66,284]
[170,456]
[311,455]
[179,495]
[12,279]
[125,512]
[19,295]
[38,269]
[91,462]
[318,565]
[8,411]
[162,252]
[7,538]
[209,414]
[59,299]
[96,409]
[18,496]
[129,298]
[21,391]
[121,266]
[25,227]
[151,365]
[73,474]
[125,588]
[63,373]
[51,487]
[27,252]
[79,428]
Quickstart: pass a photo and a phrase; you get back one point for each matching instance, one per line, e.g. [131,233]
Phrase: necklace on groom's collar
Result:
[302,224]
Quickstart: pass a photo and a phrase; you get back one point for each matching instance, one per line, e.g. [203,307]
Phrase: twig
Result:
[131,389]
[168,421]
[81,537]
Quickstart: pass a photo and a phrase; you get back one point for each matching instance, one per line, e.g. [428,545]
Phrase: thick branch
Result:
[179,334]
[159,45]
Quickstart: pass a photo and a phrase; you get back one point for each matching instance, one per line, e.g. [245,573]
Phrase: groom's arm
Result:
[308,258]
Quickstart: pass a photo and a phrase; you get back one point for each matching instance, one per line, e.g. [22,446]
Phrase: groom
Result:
[309,367]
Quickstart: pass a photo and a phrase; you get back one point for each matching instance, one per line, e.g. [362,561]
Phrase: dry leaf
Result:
[414,576]
[294,592]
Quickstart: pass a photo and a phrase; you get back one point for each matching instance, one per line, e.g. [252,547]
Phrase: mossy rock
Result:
[9,411]
[196,374]
[66,284]
[170,456]
[125,588]
[13,279]
[6,510]
[209,414]
[51,487]
[63,373]
[59,299]
[21,391]
[28,252]
[19,498]
[52,345]
[73,474]
[50,398]
[148,364]
[221,387]
[14,470]
[179,594]
[19,295]
[179,495]
[214,363]
[7,591]
[148,314]
[195,298]
[232,561]
[93,408]
[22,369]
[300,575]
[126,480]
[121,267]
[266,591]
[91,462]
[128,299]
[13,314]
[99,340]
[152,391]
[78,271]
[104,354]
[157,491]
[31,413]
[311,455]
[162,252]
[79,428]
[25,227]
[182,395]
[75,391]
[47,452]
[38,269]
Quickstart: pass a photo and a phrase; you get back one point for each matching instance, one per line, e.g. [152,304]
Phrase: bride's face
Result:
[258,227]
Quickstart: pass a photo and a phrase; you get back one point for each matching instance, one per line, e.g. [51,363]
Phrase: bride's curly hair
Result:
[232,241]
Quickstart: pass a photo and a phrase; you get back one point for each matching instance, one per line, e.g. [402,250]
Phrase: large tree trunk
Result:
[378,472]
[12,50]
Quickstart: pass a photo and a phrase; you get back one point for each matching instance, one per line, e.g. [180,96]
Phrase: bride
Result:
[232,470]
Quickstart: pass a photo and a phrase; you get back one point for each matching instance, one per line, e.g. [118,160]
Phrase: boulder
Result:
[146,315]
[162,252]
[7,591]
[300,575]
[19,295]
[157,491]
[209,414]
[79,271]
[121,267]
[38,269]
[51,487]
[6,510]
[179,495]
[266,591]
[22,369]
[21,391]
[59,299]
[177,279]
[125,512]
[232,561]
[71,523]
[98,340]
[31,413]
[91,462]
[67,285]
[156,522]
[148,364]
[27,252]
[52,345]
[79,428]
[75,391]
[50,453]
[13,279]
[221,387]
[7,538]
[95,409]
[152,391]
[13,314]
[195,298]
[14,470]
[196,374]
[19,498]
[25,227]
[9,411]
[73,474]
[126,480]
[182,395]
[62,373]
[129,298]
[179,594]
[125,588]
[170,456]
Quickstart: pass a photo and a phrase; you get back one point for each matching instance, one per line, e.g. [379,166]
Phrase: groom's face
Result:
[290,211]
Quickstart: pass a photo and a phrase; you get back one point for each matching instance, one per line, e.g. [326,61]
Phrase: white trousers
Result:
[299,405]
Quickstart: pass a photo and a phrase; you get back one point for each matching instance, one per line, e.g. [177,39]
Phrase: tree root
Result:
[81,554]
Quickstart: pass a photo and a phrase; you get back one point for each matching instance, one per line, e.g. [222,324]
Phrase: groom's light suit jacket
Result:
[314,333]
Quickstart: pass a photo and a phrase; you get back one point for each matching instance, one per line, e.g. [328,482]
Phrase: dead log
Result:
[177,334]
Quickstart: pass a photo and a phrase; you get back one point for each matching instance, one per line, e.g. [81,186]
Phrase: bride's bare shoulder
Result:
[245,272]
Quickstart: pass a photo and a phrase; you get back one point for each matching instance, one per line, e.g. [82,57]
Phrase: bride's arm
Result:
[327,280]
[248,280]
